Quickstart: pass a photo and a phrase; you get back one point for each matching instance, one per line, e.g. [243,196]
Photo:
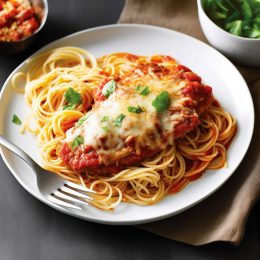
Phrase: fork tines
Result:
[79,187]
[71,193]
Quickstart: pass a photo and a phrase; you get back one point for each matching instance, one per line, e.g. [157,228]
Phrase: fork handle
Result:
[15,149]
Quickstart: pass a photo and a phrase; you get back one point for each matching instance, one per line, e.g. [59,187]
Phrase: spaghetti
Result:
[200,147]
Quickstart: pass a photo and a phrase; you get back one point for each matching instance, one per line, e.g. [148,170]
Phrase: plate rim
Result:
[136,221]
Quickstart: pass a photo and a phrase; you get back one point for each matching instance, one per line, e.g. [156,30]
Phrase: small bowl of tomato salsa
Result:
[20,22]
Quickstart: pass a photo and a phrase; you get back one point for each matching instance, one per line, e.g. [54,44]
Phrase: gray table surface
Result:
[30,229]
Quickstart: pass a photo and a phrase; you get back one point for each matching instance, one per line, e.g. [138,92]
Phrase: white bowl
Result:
[243,50]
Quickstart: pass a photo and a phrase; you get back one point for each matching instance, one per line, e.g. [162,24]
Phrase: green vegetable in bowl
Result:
[239,17]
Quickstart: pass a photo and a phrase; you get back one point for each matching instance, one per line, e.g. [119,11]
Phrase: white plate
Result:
[228,87]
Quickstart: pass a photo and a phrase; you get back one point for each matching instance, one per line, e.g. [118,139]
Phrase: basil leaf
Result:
[105,119]
[83,119]
[109,88]
[77,141]
[16,120]
[73,99]
[135,109]
[143,90]
[118,121]
[162,101]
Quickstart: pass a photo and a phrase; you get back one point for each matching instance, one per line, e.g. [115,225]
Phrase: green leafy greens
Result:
[239,17]
[77,141]
[109,88]
[73,98]
[136,110]
[16,120]
[83,119]
[162,101]
[105,128]
[118,121]
[105,119]
[143,90]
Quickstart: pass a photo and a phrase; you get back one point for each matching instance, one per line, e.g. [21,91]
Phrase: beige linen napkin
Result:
[223,215]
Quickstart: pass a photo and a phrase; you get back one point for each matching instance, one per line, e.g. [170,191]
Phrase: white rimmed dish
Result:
[243,50]
[228,86]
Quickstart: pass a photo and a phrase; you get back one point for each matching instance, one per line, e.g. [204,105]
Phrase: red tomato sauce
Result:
[85,158]
[18,20]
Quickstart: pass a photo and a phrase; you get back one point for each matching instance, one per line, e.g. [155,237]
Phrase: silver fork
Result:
[68,194]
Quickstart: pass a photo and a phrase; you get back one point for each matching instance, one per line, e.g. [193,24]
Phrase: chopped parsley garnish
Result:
[118,121]
[143,90]
[135,109]
[77,141]
[83,119]
[239,17]
[69,107]
[16,120]
[73,99]
[105,128]
[109,88]
[162,101]
[105,119]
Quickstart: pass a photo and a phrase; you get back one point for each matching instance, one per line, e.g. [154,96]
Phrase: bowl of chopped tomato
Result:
[233,28]
[20,22]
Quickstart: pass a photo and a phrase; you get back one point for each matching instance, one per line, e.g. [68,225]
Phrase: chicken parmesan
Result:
[133,128]
[135,115]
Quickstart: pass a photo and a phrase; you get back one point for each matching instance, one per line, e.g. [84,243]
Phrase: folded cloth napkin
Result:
[223,215]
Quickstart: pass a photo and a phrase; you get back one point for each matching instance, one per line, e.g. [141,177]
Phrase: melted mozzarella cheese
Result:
[148,129]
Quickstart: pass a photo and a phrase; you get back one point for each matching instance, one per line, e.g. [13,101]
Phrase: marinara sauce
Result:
[18,20]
